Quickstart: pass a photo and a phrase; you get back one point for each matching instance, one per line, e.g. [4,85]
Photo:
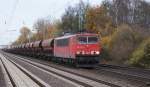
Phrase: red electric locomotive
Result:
[83,50]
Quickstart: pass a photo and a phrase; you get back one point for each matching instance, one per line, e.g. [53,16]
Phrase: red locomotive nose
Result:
[87,45]
[91,49]
[87,52]
[95,52]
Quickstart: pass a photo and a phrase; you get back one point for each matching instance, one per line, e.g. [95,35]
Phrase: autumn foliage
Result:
[97,21]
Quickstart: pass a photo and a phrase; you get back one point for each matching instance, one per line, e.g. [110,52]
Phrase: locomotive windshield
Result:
[87,39]
[92,39]
[82,40]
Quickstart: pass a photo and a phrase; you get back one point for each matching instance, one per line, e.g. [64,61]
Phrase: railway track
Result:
[131,69]
[18,76]
[78,79]
[114,70]
[136,73]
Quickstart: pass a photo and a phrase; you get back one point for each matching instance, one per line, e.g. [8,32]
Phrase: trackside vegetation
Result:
[141,56]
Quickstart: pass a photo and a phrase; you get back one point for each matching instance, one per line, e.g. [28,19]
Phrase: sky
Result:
[17,13]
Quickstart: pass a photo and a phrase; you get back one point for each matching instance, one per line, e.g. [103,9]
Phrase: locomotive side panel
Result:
[61,47]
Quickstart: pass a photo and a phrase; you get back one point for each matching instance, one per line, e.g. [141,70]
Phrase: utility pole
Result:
[80,16]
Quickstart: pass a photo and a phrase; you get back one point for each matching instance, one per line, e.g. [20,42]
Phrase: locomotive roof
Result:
[62,37]
[68,36]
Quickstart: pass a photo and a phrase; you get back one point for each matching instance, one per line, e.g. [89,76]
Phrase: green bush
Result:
[105,54]
[118,47]
[122,44]
[141,56]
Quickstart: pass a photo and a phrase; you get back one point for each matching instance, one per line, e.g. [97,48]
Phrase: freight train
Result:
[81,50]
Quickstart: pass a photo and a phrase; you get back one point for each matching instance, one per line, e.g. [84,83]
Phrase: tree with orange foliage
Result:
[24,37]
[98,21]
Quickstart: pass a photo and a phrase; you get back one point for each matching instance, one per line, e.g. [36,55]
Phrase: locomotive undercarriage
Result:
[79,61]
[87,61]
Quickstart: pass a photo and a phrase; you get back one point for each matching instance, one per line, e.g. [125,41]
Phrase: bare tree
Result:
[42,26]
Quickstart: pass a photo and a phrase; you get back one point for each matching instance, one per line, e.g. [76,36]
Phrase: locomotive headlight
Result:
[78,52]
[97,52]
[92,52]
[83,52]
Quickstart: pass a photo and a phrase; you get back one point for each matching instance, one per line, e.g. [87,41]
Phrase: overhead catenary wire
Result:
[10,19]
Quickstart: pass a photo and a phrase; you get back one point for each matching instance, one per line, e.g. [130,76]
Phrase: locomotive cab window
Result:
[87,40]
[92,40]
[82,40]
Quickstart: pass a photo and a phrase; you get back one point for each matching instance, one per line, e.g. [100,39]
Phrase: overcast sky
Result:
[16,13]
